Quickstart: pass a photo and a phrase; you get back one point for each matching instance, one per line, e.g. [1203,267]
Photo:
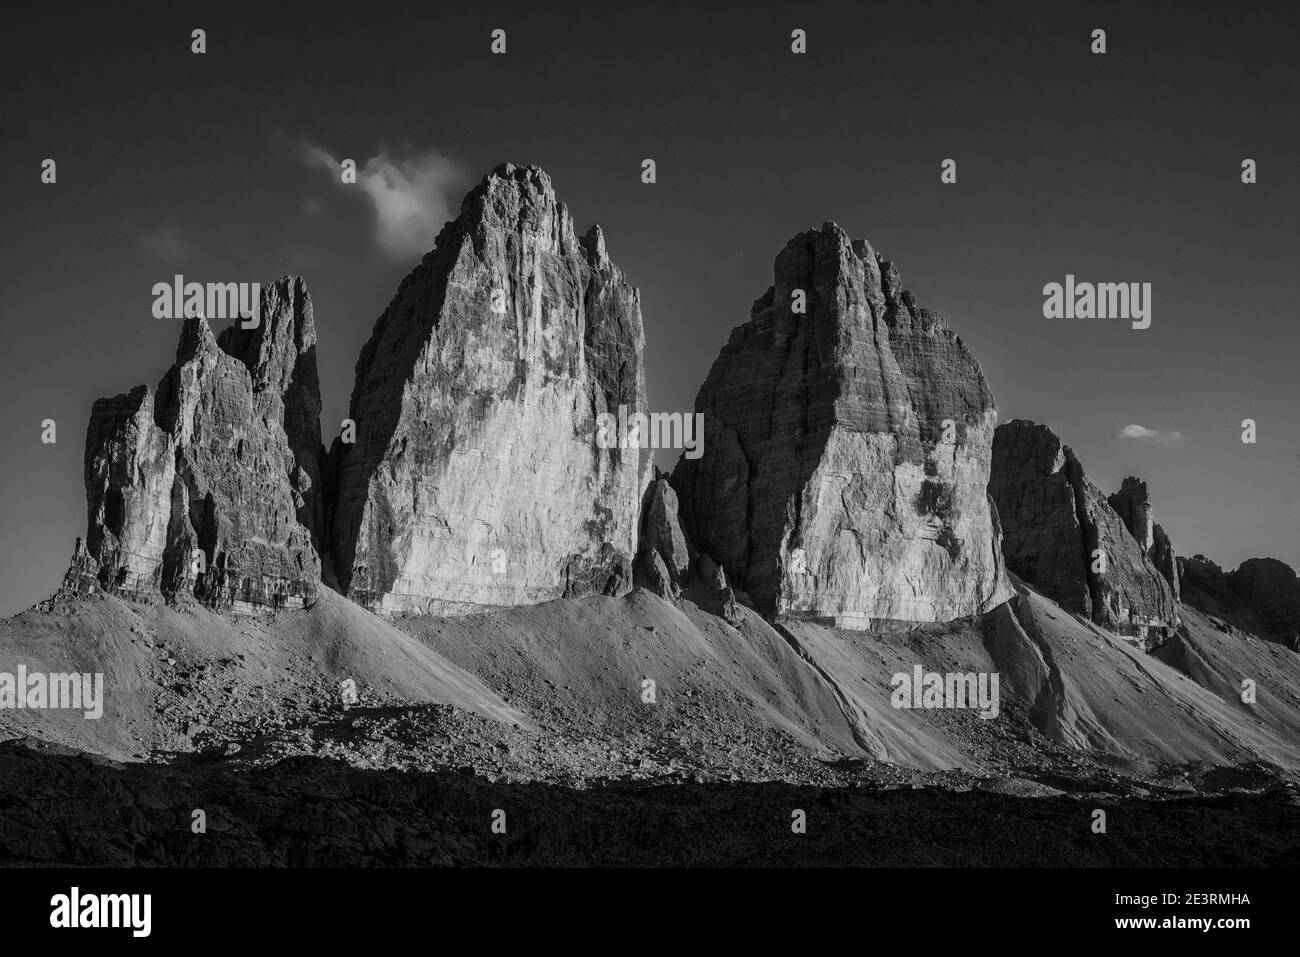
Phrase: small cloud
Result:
[165,243]
[412,195]
[1141,433]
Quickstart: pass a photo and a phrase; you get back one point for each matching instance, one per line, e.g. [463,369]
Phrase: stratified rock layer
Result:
[210,486]
[475,479]
[1061,535]
[846,450]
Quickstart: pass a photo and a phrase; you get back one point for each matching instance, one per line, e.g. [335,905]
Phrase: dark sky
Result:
[1122,167]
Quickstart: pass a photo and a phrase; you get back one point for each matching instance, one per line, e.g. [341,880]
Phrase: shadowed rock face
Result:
[1162,556]
[829,486]
[1271,588]
[281,356]
[1055,522]
[1132,503]
[224,458]
[1262,596]
[1042,538]
[661,530]
[1199,576]
[475,479]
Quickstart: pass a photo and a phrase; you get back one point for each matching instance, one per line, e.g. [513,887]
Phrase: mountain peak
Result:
[846,450]
[475,479]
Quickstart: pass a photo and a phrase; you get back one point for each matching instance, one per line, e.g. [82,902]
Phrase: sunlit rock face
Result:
[210,485]
[846,453]
[476,479]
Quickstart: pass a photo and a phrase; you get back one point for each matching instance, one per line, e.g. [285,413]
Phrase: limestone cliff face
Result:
[846,450]
[280,355]
[476,479]
[1055,522]
[210,485]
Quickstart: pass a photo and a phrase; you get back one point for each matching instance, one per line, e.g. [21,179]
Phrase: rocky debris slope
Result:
[210,485]
[180,678]
[846,450]
[742,717]
[578,691]
[1062,536]
[1093,690]
[1262,596]
[1220,657]
[476,479]
[1077,685]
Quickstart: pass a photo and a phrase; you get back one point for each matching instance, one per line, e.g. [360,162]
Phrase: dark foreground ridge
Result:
[314,812]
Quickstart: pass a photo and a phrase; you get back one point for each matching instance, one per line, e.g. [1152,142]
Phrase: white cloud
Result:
[1141,433]
[412,195]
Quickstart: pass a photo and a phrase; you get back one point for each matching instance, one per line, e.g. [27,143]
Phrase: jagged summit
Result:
[475,479]
[210,485]
[849,438]
[847,435]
